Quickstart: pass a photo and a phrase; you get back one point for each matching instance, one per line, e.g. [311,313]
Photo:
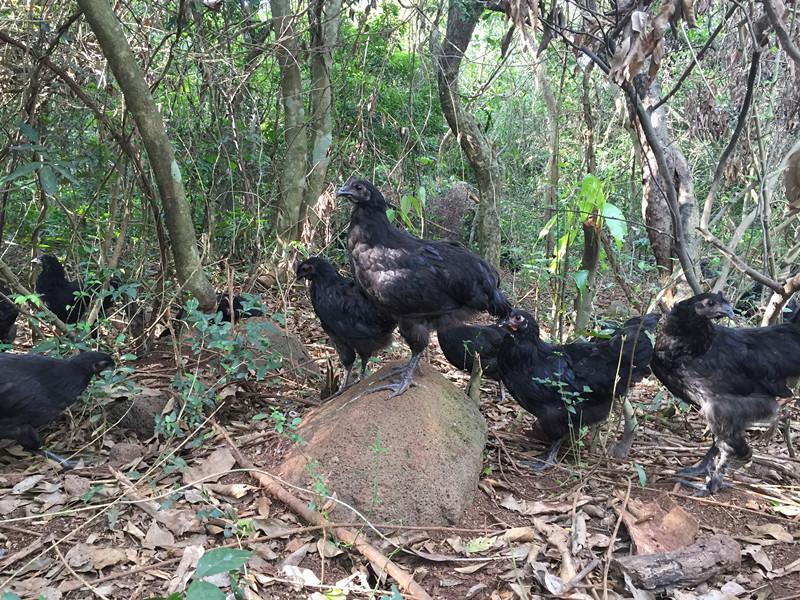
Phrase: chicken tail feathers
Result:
[499,305]
[637,340]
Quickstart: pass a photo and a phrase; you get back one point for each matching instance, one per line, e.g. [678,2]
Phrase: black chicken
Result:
[68,300]
[415,281]
[571,385]
[35,390]
[461,342]
[355,324]
[734,375]
[8,316]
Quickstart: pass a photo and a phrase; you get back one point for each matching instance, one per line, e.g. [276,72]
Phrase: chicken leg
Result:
[406,376]
[546,460]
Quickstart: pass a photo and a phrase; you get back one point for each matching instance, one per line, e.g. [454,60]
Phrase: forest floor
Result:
[127,525]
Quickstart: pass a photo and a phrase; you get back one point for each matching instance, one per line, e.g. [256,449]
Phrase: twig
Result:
[610,550]
[580,576]
[739,263]
[356,540]
[740,122]
[780,30]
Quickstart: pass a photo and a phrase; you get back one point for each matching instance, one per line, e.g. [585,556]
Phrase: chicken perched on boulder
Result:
[413,280]
[353,321]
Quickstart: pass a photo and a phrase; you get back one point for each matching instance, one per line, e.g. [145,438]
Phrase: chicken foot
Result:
[399,388]
[546,460]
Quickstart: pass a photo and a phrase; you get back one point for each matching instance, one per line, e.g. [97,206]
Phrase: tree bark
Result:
[324,17]
[670,234]
[462,18]
[177,211]
[591,225]
[293,173]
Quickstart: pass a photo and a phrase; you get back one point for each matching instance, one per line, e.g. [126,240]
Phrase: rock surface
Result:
[411,460]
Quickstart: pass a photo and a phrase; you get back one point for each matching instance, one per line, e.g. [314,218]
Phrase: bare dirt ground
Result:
[120,526]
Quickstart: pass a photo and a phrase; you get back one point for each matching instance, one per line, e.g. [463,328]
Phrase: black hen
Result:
[35,390]
[355,324]
[733,375]
[415,281]
[460,343]
[68,300]
[239,310]
[571,385]
[8,315]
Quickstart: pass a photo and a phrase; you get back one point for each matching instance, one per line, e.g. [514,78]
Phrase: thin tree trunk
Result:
[591,225]
[462,17]
[670,235]
[324,17]
[177,211]
[293,172]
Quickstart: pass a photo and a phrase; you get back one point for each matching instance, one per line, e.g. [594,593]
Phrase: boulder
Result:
[411,460]
[296,360]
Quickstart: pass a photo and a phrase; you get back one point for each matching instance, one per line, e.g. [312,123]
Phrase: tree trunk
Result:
[461,20]
[290,209]
[590,226]
[177,211]
[324,17]
[655,206]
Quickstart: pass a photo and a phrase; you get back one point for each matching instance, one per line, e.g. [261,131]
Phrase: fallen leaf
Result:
[538,508]
[327,549]
[217,464]
[474,567]
[759,556]
[9,505]
[300,576]
[76,486]
[479,544]
[158,538]
[659,526]
[105,557]
[186,568]
[79,556]
[520,534]
[775,530]
[180,521]
[296,557]
[233,490]
[26,484]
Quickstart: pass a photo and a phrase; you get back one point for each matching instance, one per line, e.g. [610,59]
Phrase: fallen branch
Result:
[346,535]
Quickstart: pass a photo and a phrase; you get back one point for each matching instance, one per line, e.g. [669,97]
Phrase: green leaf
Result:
[615,221]
[202,590]
[30,133]
[547,227]
[49,181]
[22,171]
[582,279]
[479,544]
[221,560]
[10,596]
[642,475]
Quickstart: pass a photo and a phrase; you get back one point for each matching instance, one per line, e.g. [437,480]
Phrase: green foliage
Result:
[245,353]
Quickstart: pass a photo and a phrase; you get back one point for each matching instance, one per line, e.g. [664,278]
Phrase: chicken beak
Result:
[344,191]
[36,261]
[727,310]
[507,324]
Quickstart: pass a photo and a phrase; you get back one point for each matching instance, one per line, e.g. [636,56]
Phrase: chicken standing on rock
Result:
[571,385]
[355,324]
[35,390]
[414,281]
[461,342]
[8,316]
[734,375]
[68,300]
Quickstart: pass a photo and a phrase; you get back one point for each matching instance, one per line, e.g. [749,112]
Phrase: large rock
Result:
[412,460]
